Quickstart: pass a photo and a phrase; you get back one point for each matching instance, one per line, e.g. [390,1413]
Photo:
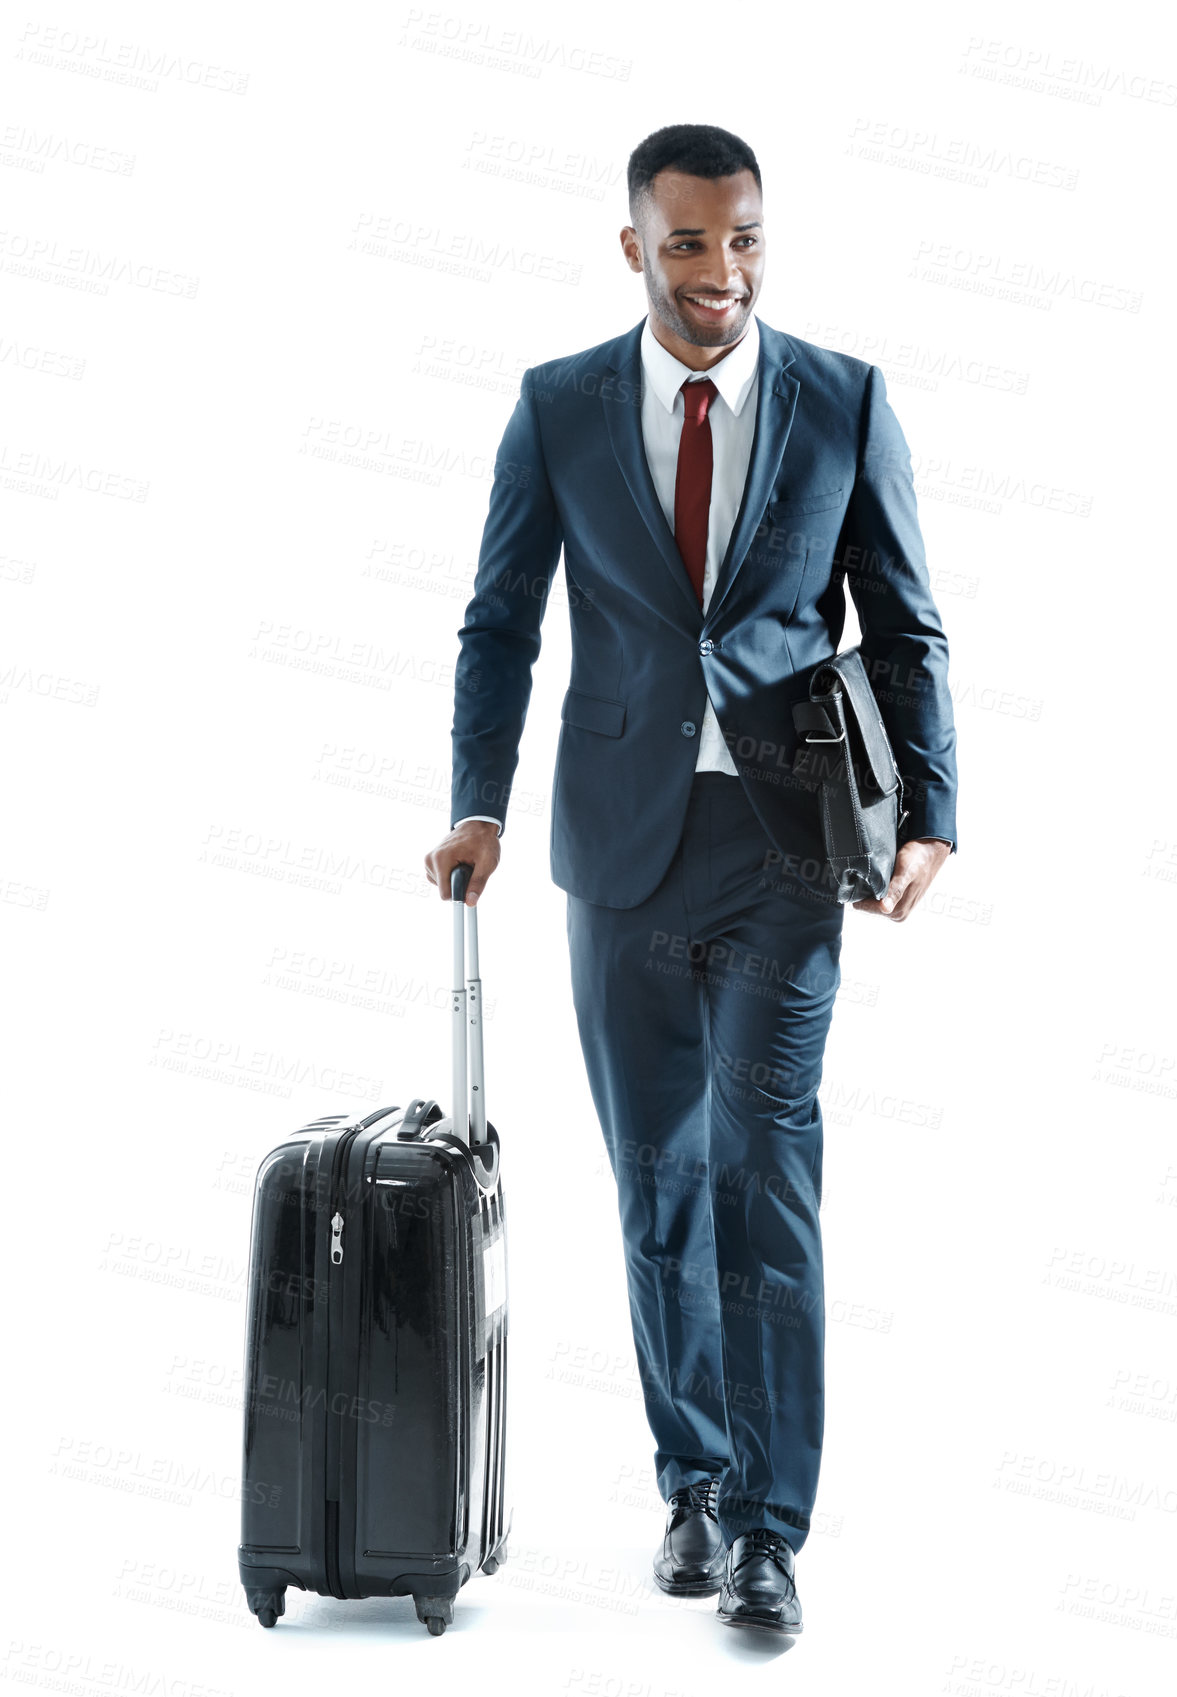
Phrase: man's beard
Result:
[699,335]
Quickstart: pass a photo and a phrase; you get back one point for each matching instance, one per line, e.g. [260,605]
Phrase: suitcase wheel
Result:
[436,1612]
[268,1605]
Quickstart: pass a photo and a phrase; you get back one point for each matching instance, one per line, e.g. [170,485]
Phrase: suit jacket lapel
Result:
[776,403]
[622,400]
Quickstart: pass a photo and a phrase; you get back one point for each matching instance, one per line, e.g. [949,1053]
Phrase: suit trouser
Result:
[703,1014]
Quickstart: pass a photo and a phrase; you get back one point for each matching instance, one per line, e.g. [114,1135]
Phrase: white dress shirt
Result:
[732,416]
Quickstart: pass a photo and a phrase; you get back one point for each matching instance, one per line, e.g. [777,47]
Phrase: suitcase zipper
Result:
[336,1342]
[334,1434]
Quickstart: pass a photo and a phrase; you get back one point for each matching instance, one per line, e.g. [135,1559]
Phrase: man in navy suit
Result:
[715,487]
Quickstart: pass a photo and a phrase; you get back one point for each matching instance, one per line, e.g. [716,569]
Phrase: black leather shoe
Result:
[758,1588]
[690,1562]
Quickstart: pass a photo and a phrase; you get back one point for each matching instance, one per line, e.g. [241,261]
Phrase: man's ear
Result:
[631,247]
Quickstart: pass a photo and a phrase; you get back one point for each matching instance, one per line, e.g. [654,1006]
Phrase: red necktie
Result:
[692,484]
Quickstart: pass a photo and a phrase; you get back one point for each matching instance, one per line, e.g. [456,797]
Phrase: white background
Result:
[271,276]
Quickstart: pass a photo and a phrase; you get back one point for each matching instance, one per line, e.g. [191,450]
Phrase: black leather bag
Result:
[845,752]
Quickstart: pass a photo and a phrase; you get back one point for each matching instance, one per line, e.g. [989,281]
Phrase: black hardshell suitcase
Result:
[376,1346]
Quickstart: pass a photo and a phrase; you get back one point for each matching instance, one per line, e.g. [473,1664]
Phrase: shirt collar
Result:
[734,375]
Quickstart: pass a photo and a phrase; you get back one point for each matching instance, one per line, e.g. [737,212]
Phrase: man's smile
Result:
[713,309]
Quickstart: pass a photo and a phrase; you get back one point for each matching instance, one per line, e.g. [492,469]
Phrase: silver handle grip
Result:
[469,1084]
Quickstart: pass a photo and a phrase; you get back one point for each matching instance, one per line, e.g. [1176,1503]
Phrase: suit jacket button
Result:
[706,645]
[687,728]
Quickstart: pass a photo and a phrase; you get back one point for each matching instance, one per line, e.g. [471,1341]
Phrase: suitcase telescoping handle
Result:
[469,1088]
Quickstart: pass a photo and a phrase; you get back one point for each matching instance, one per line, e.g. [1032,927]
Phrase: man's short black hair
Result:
[701,150]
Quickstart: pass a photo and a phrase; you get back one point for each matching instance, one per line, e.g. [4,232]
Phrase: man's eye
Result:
[683,247]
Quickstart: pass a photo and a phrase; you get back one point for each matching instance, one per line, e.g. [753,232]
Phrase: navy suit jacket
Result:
[829,503]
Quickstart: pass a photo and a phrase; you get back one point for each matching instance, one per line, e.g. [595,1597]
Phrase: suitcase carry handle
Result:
[469,1085]
[421,1112]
